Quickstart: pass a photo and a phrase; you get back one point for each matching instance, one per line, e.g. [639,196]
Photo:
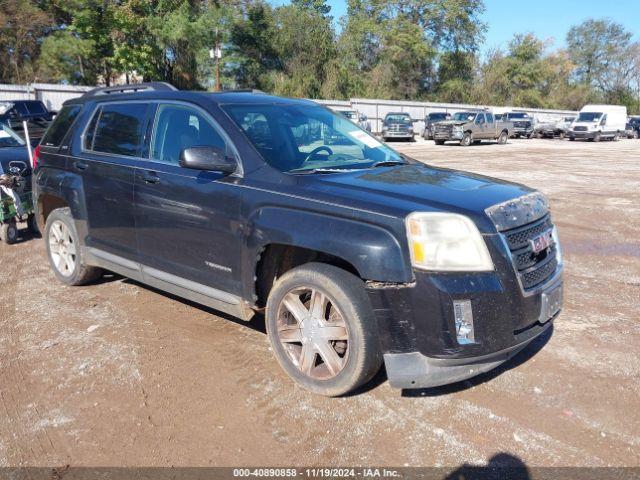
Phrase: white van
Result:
[597,122]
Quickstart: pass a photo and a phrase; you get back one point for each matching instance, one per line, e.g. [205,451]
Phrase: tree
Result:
[598,48]
[22,25]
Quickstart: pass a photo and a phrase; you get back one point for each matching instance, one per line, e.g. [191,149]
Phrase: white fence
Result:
[54,96]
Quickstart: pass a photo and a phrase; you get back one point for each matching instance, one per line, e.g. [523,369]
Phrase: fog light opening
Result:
[463,316]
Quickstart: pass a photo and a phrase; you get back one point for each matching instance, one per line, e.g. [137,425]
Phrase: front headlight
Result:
[446,242]
[457,128]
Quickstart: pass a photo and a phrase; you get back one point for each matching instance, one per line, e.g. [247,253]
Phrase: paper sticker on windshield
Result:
[365,138]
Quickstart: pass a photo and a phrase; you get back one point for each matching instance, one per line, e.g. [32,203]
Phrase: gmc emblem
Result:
[542,241]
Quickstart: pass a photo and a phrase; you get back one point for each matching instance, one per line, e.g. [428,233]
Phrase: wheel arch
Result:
[282,239]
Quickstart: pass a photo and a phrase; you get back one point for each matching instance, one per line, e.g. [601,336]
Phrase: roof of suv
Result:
[126,92]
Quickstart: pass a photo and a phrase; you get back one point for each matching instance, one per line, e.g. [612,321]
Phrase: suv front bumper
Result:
[417,321]
[415,370]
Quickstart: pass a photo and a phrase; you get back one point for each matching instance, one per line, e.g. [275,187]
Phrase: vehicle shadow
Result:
[524,356]
[25,235]
[499,467]
[257,323]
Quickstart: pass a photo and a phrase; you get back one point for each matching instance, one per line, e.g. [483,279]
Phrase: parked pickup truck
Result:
[355,254]
[522,123]
[471,127]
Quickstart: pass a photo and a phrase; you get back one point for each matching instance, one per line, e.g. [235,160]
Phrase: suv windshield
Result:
[306,137]
[518,115]
[589,116]
[437,116]
[9,138]
[397,118]
[464,116]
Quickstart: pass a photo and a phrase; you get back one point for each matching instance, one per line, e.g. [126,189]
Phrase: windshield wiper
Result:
[307,171]
[388,163]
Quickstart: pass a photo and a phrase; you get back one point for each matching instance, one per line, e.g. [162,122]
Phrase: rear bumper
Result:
[415,370]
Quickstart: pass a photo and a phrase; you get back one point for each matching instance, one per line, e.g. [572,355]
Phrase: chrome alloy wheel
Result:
[62,249]
[313,332]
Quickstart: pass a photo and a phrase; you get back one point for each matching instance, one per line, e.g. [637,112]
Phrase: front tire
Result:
[467,139]
[502,139]
[439,142]
[322,329]
[64,252]
[596,137]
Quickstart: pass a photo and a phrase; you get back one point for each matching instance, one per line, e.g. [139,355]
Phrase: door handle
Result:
[80,165]
[151,178]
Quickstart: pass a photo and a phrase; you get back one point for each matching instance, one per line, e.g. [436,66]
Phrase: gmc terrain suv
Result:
[355,253]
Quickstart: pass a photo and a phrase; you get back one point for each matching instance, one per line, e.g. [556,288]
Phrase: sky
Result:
[547,19]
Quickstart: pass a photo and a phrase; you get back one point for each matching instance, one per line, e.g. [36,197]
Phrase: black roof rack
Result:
[241,90]
[134,87]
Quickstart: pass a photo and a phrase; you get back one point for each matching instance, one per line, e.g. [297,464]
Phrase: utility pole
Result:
[218,54]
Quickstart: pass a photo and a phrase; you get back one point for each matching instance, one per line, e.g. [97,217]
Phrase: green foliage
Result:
[391,49]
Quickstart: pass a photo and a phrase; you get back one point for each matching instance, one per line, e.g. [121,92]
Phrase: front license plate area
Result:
[551,303]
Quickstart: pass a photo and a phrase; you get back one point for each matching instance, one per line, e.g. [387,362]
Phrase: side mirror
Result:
[207,158]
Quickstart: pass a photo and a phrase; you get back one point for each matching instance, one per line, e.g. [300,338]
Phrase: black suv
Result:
[34,112]
[356,254]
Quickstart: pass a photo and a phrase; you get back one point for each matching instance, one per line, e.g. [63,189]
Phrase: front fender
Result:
[373,250]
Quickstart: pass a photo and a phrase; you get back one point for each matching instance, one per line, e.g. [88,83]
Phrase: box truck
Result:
[597,122]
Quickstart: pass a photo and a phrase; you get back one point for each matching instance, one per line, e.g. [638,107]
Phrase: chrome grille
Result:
[532,268]
[580,128]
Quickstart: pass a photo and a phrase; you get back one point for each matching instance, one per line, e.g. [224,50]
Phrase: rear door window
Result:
[60,126]
[119,129]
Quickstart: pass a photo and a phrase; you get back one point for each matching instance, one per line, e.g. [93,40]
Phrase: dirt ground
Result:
[120,374]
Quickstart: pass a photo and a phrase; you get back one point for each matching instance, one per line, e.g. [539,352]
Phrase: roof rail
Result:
[241,90]
[134,87]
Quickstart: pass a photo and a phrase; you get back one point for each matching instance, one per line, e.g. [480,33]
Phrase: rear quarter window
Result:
[117,129]
[60,126]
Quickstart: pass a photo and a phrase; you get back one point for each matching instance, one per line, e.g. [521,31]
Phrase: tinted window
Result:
[21,108]
[36,108]
[178,127]
[60,126]
[489,117]
[119,129]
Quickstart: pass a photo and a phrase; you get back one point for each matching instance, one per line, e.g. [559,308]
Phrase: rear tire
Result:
[572,139]
[561,135]
[9,232]
[322,329]
[64,250]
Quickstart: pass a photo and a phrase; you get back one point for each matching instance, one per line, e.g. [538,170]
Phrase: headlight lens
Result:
[446,242]
[457,128]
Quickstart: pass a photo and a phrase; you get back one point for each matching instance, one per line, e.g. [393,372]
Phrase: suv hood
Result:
[404,189]
[450,122]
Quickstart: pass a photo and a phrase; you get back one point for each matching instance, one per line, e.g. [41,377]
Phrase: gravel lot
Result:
[119,374]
